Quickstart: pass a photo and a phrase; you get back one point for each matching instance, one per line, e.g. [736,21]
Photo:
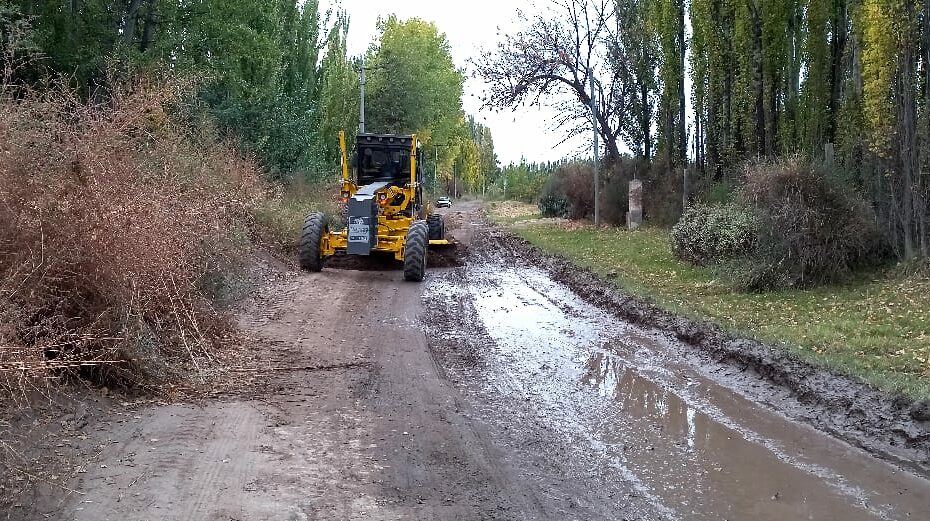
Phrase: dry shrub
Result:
[812,230]
[569,192]
[615,189]
[662,187]
[279,218]
[112,217]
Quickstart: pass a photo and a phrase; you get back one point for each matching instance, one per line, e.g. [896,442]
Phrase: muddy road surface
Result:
[488,392]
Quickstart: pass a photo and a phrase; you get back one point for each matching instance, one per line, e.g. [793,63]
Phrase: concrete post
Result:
[634,218]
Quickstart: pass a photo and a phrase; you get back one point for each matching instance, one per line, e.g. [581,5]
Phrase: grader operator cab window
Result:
[381,160]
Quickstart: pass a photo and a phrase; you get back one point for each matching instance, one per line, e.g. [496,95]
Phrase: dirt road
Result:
[490,391]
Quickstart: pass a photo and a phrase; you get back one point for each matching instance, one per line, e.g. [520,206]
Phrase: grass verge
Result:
[876,327]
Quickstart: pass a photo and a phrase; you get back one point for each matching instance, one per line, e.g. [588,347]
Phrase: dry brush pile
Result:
[112,218]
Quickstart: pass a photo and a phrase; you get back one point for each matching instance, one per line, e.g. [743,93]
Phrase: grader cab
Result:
[384,210]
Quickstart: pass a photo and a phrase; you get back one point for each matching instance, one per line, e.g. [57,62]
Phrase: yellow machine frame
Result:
[392,223]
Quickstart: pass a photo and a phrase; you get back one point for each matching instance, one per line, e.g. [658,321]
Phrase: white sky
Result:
[470,26]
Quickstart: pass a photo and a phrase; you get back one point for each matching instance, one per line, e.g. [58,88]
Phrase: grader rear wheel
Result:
[436,226]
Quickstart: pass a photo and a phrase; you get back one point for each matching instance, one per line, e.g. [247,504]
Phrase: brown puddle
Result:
[693,447]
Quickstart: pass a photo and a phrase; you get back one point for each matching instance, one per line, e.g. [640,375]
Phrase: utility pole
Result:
[597,203]
[361,106]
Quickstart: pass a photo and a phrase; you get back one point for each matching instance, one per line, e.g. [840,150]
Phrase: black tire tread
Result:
[310,237]
[436,226]
[415,252]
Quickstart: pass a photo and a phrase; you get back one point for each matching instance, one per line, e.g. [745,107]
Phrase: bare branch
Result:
[552,60]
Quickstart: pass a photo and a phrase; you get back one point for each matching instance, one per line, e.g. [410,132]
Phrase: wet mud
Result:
[513,387]
[893,427]
[662,417]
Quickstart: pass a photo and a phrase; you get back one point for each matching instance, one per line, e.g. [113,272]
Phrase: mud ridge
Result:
[893,427]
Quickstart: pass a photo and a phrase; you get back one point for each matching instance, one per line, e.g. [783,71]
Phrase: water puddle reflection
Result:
[695,449]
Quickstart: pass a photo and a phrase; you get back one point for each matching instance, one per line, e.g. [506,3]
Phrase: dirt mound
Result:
[451,256]
[437,257]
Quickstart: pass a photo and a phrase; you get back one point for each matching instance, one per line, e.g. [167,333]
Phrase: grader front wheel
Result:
[415,251]
[310,238]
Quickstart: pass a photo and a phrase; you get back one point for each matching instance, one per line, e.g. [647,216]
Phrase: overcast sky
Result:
[470,26]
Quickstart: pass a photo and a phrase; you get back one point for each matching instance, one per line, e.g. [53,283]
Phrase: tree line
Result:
[842,82]
[276,75]
[415,87]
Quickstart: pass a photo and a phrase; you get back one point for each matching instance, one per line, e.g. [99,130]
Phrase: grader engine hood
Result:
[362,226]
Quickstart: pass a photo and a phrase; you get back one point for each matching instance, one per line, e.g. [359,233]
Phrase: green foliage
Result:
[338,99]
[522,182]
[664,16]
[721,192]
[258,63]
[709,234]
[413,85]
[878,69]
[634,56]
[553,205]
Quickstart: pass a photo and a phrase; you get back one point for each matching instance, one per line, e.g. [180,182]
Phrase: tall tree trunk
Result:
[130,21]
[726,144]
[907,136]
[771,134]
[646,120]
[682,131]
[148,30]
[840,31]
[793,81]
[925,178]
[758,83]
[669,133]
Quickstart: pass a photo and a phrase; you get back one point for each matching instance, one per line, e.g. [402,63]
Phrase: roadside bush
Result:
[708,234]
[661,194]
[553,206]
[790,226]
[812,230]
[568,192]
[113,220]
[615,189]
[552,201]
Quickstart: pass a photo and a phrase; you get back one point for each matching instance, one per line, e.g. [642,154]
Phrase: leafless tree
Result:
[549,63]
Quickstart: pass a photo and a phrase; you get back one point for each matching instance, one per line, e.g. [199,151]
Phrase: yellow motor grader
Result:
[384,208]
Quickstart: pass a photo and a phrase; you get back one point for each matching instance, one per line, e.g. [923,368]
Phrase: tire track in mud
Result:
[617,405]
[893,427]
[564,483]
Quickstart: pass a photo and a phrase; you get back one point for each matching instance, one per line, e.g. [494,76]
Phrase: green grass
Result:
[876,327]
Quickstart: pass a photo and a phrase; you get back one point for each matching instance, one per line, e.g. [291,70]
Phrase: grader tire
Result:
[415,252]
[309,249]
[436,226]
